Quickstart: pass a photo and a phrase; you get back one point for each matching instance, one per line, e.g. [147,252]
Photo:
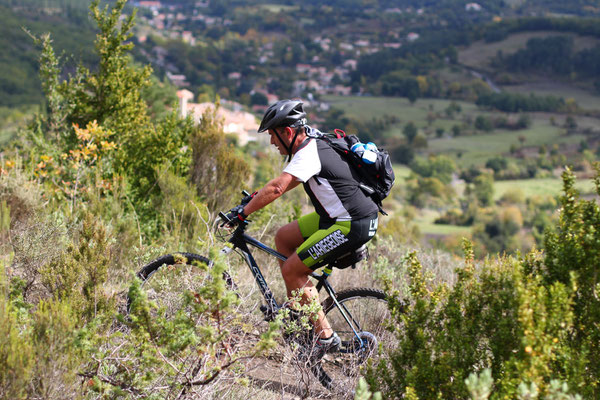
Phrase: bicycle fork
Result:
[272,307]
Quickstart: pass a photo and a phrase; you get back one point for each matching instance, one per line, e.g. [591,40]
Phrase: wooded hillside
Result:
[98,184]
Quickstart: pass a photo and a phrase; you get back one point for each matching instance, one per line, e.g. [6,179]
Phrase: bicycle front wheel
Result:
[168,277]
[359,320]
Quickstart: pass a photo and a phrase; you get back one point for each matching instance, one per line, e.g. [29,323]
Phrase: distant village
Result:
[167,20]
[236,121]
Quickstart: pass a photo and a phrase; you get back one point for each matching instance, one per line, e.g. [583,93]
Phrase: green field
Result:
[477,149]
[529,187]
[585,99]
[545,129]
[367,107]
[540,187]
[468,149]
[478,54]
[425,221]
[401,172]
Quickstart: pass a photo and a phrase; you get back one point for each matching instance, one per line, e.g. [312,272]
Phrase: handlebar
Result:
[223,218]
[245,200]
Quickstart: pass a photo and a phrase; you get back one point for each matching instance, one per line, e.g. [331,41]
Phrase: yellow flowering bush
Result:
[84,168]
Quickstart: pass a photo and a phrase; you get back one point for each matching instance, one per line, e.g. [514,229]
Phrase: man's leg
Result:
[295,273]
[287,239]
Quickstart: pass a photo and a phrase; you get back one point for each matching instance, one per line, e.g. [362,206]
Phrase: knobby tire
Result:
[171,260]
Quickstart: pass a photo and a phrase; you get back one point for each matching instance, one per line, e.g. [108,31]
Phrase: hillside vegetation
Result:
[19,82]
[99,183]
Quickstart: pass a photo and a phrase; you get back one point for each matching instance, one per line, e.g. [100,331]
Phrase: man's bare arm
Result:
[271,191]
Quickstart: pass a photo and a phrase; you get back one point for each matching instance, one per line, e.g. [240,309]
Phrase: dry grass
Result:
[281,374]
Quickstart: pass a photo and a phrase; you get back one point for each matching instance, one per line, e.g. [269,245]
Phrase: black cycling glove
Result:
[236,216]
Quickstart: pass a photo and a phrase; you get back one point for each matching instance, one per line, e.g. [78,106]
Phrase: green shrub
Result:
[513,196]
[503,317]
[111,100]
[186,217]
[16,361]
[180,347]
[573,259]
[497,230]
[484,123]
[519,327]
[81,272]
[483,189]
[39,350]
[217,171]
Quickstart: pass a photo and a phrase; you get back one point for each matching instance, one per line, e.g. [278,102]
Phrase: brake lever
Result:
[247,197]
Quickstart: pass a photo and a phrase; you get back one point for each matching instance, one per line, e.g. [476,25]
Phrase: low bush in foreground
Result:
[518,327]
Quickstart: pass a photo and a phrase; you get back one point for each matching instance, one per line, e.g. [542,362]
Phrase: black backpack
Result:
[376,179]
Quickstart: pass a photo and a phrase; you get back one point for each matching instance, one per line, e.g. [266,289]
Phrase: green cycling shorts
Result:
[326,240]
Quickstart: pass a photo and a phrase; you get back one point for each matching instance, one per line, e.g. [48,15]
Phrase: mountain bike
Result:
[356,314]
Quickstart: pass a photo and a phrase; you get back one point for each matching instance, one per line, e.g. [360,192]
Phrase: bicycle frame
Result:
[241,240]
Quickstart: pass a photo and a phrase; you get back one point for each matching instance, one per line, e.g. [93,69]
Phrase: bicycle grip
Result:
[223,217]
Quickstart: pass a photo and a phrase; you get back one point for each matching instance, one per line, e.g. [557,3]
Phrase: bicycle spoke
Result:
[368,310]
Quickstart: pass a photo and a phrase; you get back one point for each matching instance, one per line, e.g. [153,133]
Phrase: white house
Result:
[239,123]
[350,64]
[472,7]
[412,36]
[303,68]
[177,79]
[392,45]
[236,122]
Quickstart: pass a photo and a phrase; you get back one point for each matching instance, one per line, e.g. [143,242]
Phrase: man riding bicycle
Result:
[344,219]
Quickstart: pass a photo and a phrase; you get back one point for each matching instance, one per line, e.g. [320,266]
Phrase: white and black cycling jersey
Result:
[330,182]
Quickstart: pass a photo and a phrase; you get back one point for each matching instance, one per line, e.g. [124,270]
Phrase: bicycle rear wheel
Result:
[367,311]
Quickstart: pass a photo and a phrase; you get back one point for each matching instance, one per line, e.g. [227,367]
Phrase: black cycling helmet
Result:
[283,113]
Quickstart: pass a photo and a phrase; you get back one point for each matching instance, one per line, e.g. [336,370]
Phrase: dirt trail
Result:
[285,381]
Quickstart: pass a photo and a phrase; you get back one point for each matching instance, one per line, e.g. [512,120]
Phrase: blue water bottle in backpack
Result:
[368,152]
